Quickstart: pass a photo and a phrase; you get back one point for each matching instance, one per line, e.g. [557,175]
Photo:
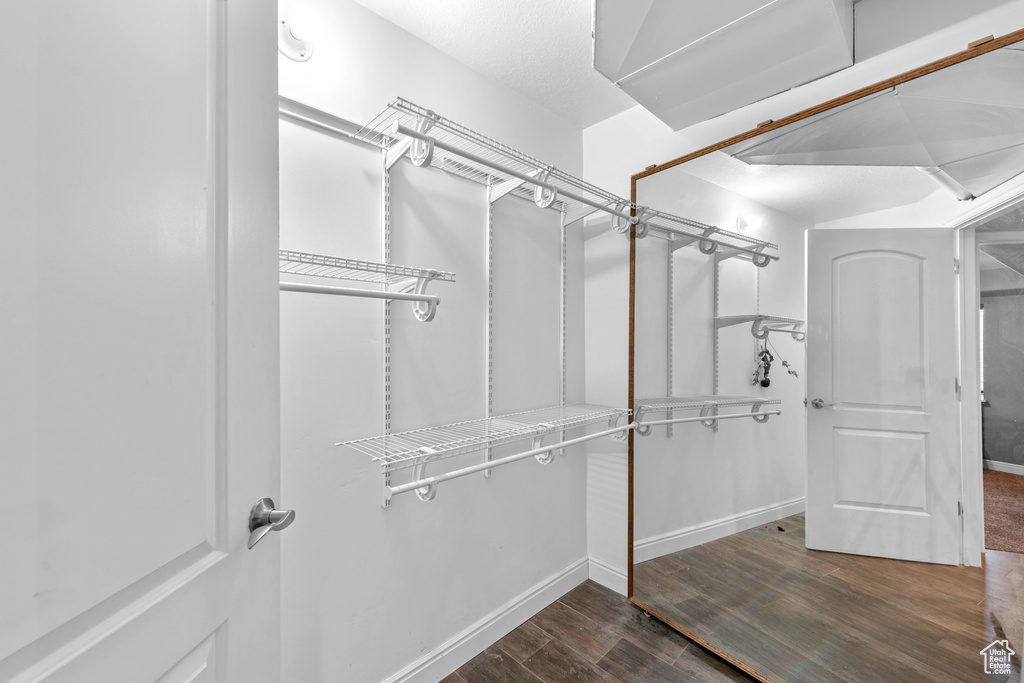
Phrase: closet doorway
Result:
[1001,280]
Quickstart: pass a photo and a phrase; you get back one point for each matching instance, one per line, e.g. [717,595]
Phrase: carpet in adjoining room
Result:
[1004,511]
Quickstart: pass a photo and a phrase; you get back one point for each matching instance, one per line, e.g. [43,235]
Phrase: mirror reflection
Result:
[804,539]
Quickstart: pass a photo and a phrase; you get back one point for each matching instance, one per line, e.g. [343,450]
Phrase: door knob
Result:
[264,518]
[820,403]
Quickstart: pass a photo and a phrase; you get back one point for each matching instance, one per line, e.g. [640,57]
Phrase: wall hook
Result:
[290,45]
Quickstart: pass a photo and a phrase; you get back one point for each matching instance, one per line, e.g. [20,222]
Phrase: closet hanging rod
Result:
[413,281]
[398,129]
[352,291]
[425,487]
[757,255]
[710,418]
[658,217]
[644,219]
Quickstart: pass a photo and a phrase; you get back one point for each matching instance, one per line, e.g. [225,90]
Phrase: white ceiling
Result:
[816,194]
[539,48]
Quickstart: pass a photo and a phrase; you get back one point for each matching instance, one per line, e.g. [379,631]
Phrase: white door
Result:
[138,341]
[883,447]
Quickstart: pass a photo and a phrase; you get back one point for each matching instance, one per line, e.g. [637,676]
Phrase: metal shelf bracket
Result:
[543,196]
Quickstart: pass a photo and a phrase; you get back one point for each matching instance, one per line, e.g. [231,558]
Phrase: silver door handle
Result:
[264,518]
[819,403]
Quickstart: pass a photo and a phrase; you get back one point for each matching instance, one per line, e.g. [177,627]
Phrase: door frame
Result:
[972,465]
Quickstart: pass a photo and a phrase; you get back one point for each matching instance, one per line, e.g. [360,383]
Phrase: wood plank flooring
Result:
[793,614]
[594,635]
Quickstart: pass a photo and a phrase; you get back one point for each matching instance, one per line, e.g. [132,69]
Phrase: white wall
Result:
[370,592]
[361,63]
[699,484]
[606,285]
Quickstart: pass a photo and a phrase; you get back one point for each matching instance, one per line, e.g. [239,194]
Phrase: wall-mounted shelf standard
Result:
[708,406]
[428,139]
[413,281]
[418,447]
[761,325]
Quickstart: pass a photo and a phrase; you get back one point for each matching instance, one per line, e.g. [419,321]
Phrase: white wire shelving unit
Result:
[707,405]
[762,325]
[412,281]
[394,452]
[428,139]
[709,239]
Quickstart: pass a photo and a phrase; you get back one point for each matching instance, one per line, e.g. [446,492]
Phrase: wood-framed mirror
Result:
[862,557]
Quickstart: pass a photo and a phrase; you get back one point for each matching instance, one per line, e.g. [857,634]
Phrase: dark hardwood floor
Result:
[594,634]
[793,614]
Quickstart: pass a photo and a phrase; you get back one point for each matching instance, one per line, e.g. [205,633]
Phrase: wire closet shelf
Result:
[418,447]
[413,281]
[762,325]
[405,128]
[708,406]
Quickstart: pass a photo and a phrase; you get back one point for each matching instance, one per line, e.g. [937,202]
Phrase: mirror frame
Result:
[976,49]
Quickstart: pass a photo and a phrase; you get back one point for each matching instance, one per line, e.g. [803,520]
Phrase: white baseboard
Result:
[655,546]
[608,576]
[1004,467]
[456,651]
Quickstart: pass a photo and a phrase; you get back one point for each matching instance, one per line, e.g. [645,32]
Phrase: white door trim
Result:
[972,495]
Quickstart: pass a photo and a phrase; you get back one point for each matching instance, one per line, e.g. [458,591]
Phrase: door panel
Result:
[141,374]
[883,458]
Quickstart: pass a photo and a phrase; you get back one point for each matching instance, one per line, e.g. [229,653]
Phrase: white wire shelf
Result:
[682,232]
[762,325]
[319,265]
[418,447]
[407,449]
[414,280]
[709,409]
[405,128]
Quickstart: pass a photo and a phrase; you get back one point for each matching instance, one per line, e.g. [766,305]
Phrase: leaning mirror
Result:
[811,564]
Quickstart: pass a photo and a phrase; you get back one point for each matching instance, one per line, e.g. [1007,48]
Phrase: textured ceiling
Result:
[540,48]
[1010,220]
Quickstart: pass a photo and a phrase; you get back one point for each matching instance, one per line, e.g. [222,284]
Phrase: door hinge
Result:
[959,508]
[956,386]
[956,265]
